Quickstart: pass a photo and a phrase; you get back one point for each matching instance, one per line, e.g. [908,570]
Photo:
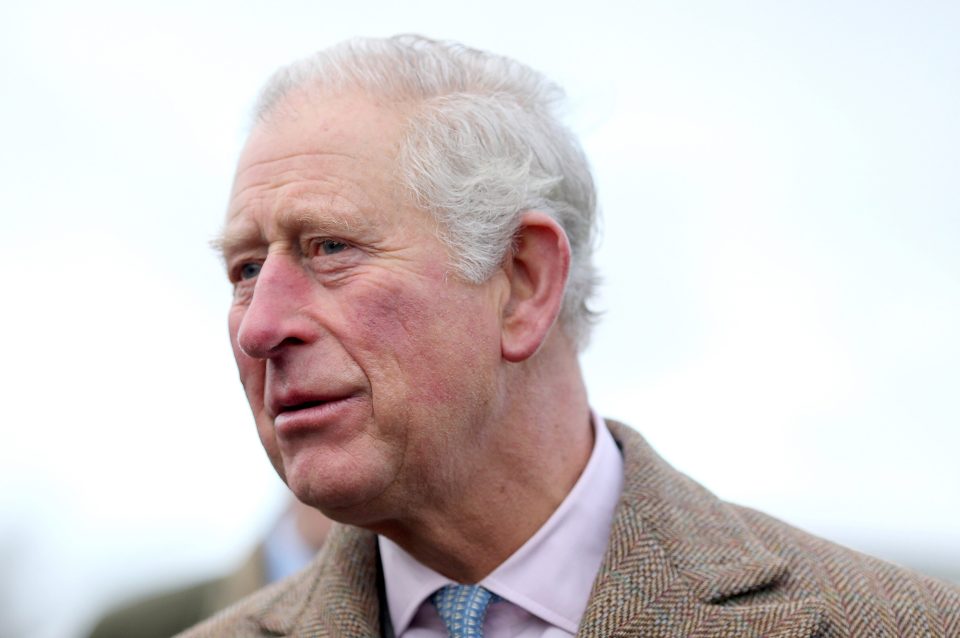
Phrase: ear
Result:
[537,271]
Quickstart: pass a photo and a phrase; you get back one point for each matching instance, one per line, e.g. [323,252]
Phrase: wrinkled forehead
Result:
[352,122]
[316,135]
[329,163]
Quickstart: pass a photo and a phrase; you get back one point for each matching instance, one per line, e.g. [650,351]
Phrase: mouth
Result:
[305,405]
[291,402]
[297,416]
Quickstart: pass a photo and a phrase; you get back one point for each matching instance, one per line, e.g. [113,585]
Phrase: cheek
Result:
[233,328]
[429,337]
[253,377]
[251,370]
[269,441]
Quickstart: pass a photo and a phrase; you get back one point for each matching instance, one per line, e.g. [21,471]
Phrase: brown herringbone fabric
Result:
[681,563]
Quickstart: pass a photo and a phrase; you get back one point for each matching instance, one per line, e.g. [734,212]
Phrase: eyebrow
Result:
[231,241]
[238,237]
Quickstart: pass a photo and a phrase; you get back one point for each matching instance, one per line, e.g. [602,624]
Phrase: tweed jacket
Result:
[680,563]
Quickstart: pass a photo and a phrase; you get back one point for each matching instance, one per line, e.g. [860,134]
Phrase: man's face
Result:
[370,368]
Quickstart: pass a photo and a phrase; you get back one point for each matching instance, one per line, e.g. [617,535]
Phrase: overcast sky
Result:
[780,256]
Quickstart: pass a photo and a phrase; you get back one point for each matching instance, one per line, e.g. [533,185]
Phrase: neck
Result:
[531,456]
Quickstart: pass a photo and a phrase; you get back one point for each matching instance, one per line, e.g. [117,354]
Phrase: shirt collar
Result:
[552,574]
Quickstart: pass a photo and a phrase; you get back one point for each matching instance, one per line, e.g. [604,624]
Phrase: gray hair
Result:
[483,145]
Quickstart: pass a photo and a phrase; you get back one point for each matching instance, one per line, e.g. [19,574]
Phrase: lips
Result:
[295,401]
[301,406]
[298,413]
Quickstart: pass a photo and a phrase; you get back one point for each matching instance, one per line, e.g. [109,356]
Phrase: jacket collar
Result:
[335,596]
[676,553]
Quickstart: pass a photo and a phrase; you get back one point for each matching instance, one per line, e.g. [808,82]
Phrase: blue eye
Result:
[249,270]
[332,246]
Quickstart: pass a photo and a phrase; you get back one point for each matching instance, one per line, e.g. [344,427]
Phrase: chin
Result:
[345,494]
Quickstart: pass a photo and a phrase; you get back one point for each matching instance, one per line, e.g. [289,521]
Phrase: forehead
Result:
[313,158]
[320,133]
[353,120]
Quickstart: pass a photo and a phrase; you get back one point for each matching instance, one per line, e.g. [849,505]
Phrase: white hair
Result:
[484,143]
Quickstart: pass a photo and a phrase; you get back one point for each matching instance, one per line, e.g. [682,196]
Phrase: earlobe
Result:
[537,271]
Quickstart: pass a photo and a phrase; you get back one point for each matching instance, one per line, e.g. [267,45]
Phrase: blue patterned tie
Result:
[462,609]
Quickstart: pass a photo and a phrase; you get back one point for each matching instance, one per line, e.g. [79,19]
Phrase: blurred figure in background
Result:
[290,544]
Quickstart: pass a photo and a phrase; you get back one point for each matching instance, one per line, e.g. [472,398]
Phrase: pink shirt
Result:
[545,585]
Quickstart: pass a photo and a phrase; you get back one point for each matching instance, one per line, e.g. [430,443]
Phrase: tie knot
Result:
[463,608]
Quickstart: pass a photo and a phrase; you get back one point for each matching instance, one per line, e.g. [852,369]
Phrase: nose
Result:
[277,314]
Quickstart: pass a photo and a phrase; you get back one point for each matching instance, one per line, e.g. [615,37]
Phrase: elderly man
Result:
[409,239]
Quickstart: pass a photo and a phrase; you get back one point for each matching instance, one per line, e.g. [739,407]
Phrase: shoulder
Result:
[874,596]
[244,618]
[335,595]
[737,562]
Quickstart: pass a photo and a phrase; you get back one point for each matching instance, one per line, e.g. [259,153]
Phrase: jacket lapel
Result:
[676,553]
[337,595]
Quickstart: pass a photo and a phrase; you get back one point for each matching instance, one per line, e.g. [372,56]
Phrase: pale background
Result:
[780,190]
